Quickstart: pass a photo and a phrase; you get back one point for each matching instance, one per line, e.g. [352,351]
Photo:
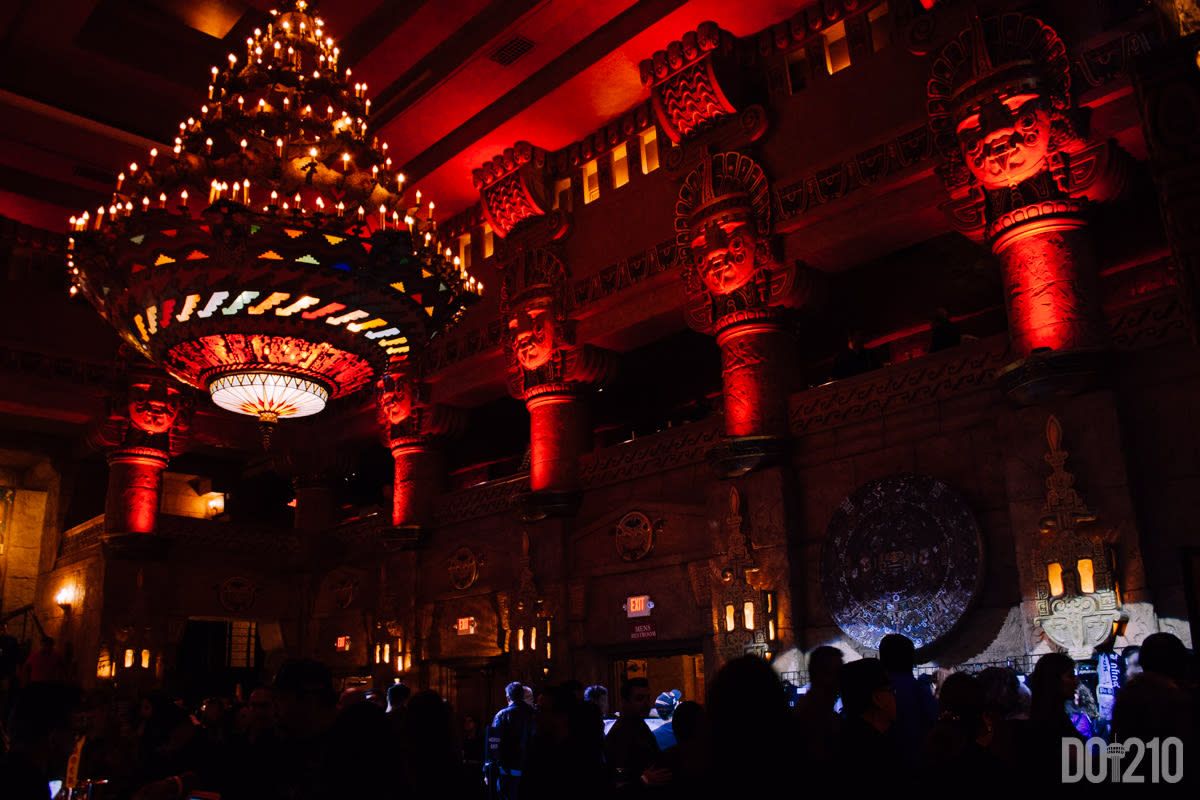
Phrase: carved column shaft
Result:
[418,477]
[1051,285]
[558,435]
[134,490]
[756,361]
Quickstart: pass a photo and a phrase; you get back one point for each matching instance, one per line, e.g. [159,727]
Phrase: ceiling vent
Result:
[511,50]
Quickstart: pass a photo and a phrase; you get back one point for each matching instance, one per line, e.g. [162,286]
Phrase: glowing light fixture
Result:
[268,395]
[281,190]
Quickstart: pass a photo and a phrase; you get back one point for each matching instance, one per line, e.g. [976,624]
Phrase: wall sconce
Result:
[215,504]
[65,597]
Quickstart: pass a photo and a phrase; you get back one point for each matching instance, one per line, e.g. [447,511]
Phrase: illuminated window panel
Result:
[489,243]
[378,653]
[397,351]
[141,326]
[1087,575]
[273,300]
[591,181]
[797,69]
[213,304]
[520,639]
[387,652]
[562,194]
[837,48]
[394,342]
[464,250]
[730,617]
[620,165]
[128,662]
[881,32]
[152,319]
[168,308]
[1054,577]
[145,659]
[748,615]
[649,150]
[533,638]
[239,303]
[304,302]
[189,307]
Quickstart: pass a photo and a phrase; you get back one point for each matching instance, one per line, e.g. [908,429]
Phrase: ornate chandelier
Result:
[273,256]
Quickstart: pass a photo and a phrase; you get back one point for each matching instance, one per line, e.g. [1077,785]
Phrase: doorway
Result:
[216,657]
[682,671]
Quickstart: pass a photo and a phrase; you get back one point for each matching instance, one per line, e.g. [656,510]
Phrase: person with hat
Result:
[665,705]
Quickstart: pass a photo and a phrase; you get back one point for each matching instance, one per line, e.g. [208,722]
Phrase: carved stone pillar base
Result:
[534,506]
[1046,374]
[737,455]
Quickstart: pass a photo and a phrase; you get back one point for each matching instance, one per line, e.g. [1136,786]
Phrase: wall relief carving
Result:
[902,555]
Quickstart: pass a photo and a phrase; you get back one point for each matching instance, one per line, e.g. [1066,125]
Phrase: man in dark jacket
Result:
[508,743]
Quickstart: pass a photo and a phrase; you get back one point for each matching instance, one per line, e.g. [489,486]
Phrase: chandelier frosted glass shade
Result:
[268,395]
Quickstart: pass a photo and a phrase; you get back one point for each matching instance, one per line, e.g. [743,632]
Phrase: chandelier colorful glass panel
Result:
[274,255]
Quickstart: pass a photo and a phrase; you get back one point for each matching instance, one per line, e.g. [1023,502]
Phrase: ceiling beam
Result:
[596,46]
[377,26]
[443,60]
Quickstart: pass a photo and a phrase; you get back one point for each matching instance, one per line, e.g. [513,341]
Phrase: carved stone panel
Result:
[902,555]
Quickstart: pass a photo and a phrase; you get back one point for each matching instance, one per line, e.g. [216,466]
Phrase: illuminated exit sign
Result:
[465,626]
[638,605]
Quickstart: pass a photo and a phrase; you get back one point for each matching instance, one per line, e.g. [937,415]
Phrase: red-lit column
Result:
[1051,283]
[418,477]
[147,422]
[134,490]
[757,356]
[413,429]
[558,435]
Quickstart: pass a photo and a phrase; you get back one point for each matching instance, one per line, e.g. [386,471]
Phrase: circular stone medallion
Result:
[901,555]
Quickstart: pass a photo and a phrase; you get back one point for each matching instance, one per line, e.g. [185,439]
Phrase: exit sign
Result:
[464,626]
[638,605]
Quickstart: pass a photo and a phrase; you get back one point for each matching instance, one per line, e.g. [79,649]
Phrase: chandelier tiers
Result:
[274,257]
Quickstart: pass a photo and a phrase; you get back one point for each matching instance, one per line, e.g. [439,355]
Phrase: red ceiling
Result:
[75,81]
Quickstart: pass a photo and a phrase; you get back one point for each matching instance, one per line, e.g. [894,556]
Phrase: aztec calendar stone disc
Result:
[901,555]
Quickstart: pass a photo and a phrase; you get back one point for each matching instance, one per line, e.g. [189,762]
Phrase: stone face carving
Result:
[463,567]
[635,534]
[901,555]
[1077,598]
[536,332]
[237,594]
[722,227]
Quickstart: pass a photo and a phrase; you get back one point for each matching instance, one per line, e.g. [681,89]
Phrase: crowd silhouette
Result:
[868,724]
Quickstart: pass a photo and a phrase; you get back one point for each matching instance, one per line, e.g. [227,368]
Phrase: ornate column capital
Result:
[407,413]
[697,84]
[1002,117]
[731,270]
[1021,173]
[145,410]
[514,187]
